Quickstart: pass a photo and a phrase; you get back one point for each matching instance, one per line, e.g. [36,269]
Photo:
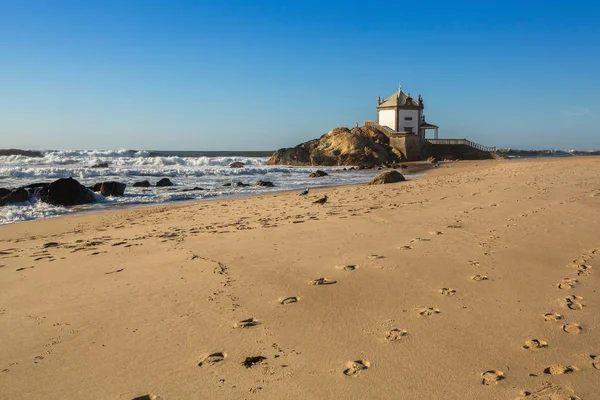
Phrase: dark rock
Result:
[432,160]
[237,164]
[66,192]
[318,173]
[164,182]
[112,188]
[241,184]
[15,196]
[101,165]
[141,184]
[227,184]
[403,166]
[96,187]
[4,192]
[192,189]
[264,183]
[387,177]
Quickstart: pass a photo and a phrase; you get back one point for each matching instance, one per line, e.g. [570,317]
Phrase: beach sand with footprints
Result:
[479,281]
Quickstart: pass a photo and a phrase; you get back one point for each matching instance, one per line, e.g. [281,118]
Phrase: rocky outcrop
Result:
[142,184]
[264,183]
[164,182]
[387,177]
[364,145]
[112,188]
[66,192]
[101,165]
[4,192]
[317,174]
[237,164]
[14,196]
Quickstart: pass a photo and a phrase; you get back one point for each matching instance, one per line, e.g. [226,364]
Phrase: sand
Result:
[478,281]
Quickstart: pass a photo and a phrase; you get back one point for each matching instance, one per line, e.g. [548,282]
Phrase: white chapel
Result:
[404,115]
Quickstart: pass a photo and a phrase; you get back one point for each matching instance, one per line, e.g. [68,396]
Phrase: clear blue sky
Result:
[251,75]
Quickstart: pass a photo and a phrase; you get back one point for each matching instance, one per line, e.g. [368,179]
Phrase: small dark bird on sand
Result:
[322,200]
[304,193]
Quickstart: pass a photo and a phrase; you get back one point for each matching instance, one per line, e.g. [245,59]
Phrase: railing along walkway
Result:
[462,142]
[390,132]
[386,129]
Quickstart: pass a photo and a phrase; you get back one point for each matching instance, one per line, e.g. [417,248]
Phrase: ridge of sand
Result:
[479,281]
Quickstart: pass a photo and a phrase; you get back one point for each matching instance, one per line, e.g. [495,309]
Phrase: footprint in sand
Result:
[573,328]
[567,283]
[429,311]
[473,263]
[479,278]
[535,344]
[492,377]
[573,302]
[211,359]
[405,247]
[395,334]
[321,281]
[420,240]
[354,368]
[558,369]
[375,257]
[582,269]
[550,391]
[552,316]
[347,267]
[249,362]
[148,397]
[596,363]
[583,259]
[436,233]
[246,323]
[288,300]
[447,291]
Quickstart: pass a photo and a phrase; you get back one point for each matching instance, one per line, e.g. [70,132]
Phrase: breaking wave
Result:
[196,176]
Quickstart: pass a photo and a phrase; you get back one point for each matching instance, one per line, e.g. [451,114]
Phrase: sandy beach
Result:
[478,281]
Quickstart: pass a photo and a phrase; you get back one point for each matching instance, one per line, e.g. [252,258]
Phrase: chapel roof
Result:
[399,99]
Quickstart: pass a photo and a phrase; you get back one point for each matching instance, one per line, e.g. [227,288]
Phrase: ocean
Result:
[186,169]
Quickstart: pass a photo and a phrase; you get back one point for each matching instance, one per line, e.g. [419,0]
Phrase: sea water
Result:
[187,170]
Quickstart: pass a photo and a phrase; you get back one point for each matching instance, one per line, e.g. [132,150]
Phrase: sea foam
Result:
[187,170]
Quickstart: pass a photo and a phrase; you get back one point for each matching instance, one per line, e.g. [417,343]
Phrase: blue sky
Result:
[260,75]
